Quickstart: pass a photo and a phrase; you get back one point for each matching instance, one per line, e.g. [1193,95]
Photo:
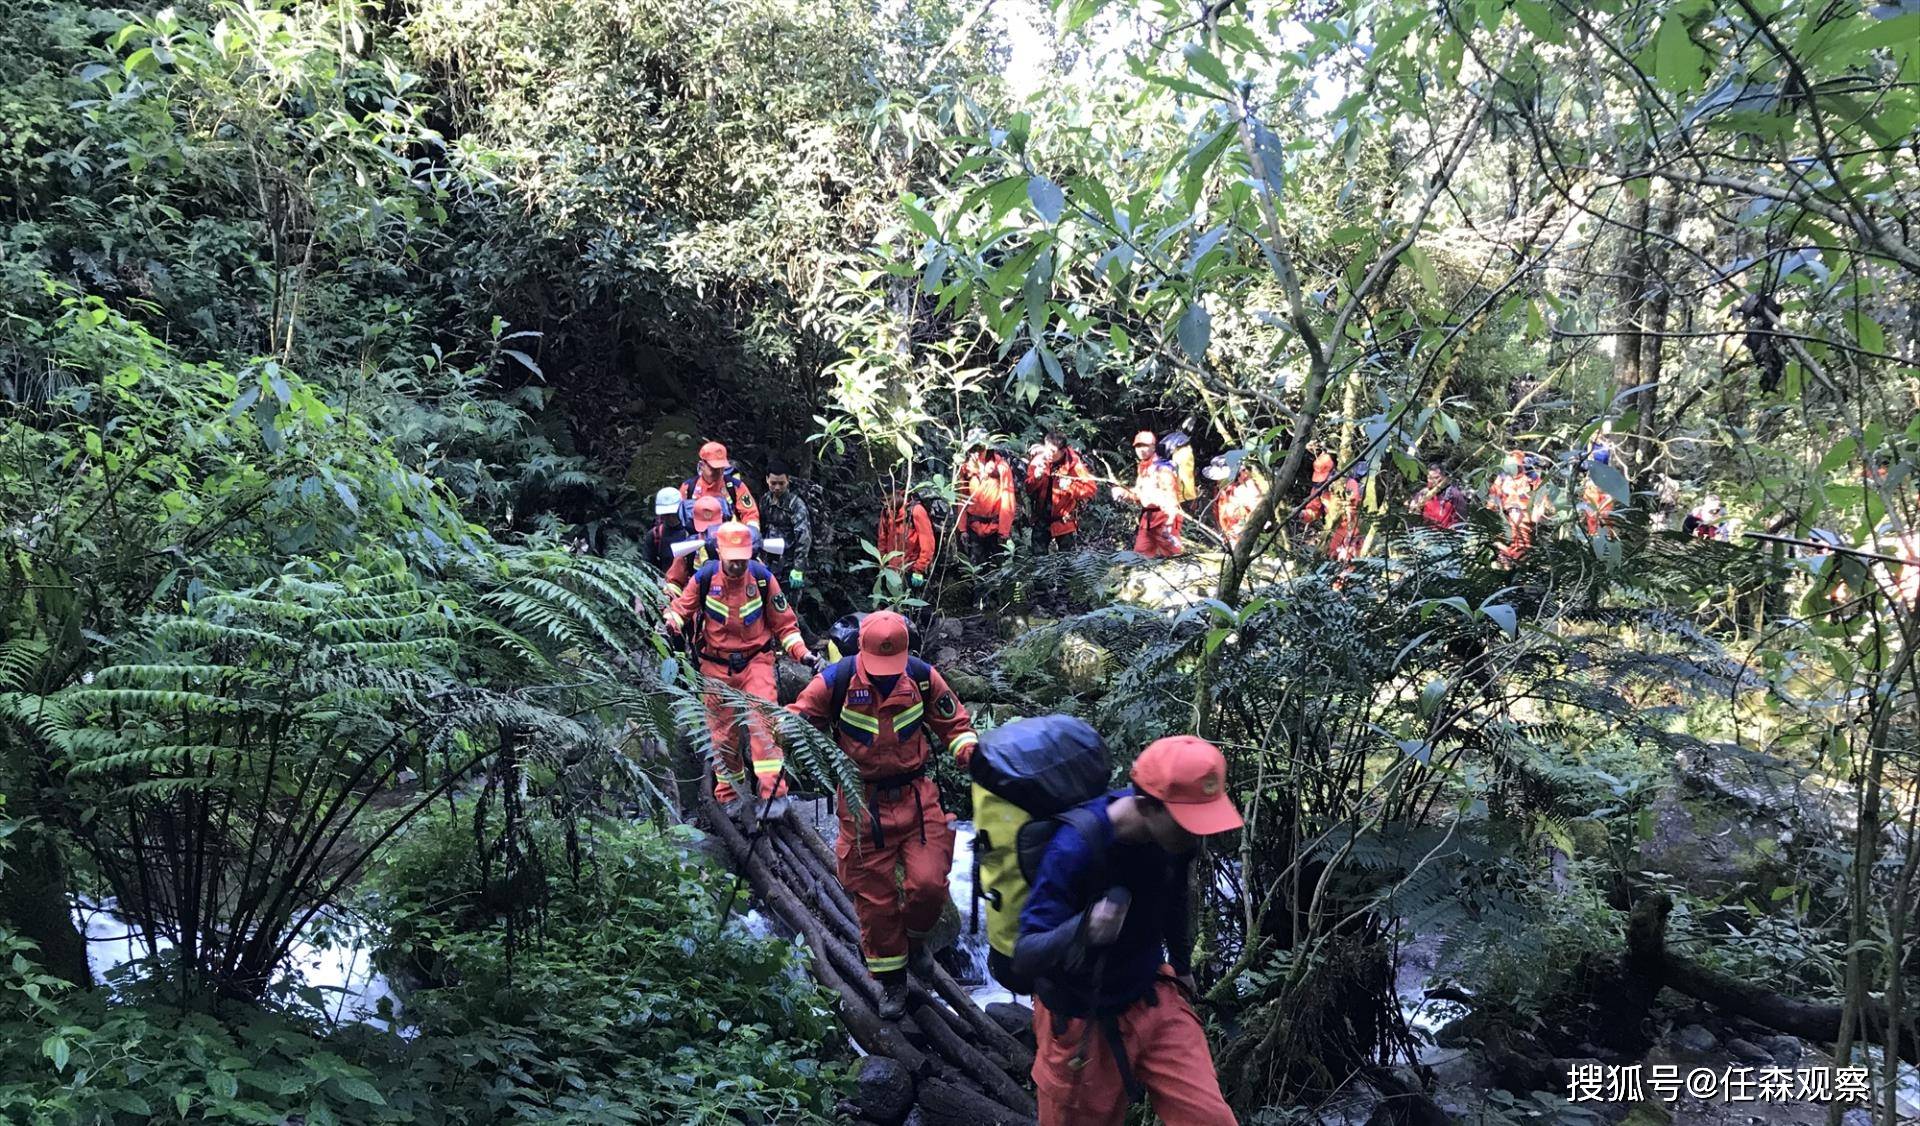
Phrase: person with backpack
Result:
[1240,492]
[906,537]
[715,477]
[987,498]
[669,528]
[1105,936]
[732,617]
[784,515]
[1177,447]
[1511,495]
[1596,504]
[1059,482]
[706,517]
[1316,505]
[885,707]
[1156,490]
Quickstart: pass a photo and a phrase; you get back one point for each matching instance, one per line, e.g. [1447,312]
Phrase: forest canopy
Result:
[1538,390]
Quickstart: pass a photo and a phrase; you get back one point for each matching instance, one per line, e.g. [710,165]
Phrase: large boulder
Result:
[1083,664]
[883,1091]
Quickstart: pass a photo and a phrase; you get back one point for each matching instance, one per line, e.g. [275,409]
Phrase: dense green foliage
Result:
[340,346]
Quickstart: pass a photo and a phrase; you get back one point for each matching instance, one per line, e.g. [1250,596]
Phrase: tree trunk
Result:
[1657,292]
[33,902]
[1629,346]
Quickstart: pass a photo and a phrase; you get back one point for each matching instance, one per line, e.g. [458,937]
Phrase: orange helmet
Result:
[733,540]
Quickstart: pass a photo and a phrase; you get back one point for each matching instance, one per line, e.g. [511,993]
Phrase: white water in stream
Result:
[973,945]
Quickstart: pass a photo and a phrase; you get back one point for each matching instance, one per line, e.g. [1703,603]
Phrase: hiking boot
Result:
[920,960]
[893,994]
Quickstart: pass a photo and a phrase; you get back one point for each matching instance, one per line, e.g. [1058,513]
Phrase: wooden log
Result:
[858,996]
[1809,1020]
[985,1029]
[932,1020]
[943,1102]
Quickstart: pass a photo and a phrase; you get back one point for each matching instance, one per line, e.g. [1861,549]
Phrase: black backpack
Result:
[1029,777]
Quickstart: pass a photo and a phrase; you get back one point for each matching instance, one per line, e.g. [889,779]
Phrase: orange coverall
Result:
[1511,495]
[735,625]
[1235,505]
[902,825]
[906,534]
[986,486]
[1059,492]
[1596,507]
[1316,507]
[1156,490]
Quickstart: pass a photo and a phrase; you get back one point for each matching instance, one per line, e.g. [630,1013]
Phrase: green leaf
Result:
[1538,19]
[1079,12]
[56,1048]
[1677,59]
[223,1084]
[1423,268]
[1505,617]
[1609,477]
[1195,331]
[919,220]
[1047,198]
[359,1090]
[1183,86]
[1207,66]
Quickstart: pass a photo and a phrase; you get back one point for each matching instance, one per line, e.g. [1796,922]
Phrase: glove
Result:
[816,662]
[795,580]
[917,580]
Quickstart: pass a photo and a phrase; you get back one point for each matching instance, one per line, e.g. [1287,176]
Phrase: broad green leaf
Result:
[1195,331]
[1048,199]
[1678,60]
[1609,477]
[1207,66]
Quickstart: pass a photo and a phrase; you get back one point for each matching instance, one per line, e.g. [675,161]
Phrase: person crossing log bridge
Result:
[879,703]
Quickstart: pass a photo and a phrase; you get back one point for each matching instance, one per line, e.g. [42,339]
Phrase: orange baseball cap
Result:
[1145,436]
[714,456]
[707,511]
[1189,774]
[883,644]
[733,540]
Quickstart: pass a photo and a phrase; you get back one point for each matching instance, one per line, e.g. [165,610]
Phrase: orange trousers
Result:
[1158,536]
[914,835]
[723,724]
[1165,1046]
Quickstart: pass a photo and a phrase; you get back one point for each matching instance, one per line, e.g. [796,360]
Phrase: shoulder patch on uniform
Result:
[780,602]
[859,696]
[947,706]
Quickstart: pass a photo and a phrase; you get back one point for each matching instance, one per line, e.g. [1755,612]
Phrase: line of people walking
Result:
[1104,939]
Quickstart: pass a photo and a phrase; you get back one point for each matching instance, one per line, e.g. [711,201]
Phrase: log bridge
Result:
[957,1065]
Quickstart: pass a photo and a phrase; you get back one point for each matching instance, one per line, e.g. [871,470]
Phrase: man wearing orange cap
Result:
[880,704]
[715,478]
[1156,489]
[1511,495]
[1105,935]
[733,616]
[906,537]
[707,515]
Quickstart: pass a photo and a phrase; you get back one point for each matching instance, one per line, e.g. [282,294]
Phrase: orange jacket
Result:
[1511,494]
[1059,491]
[906,534]
[743,615]
[735,498]
[1596,506]
[1235,505]
[1157,486]
[986,489]
[885,736]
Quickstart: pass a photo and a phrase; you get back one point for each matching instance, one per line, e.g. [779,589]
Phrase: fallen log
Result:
[1809,1020]
[933,1021]
[945,1103]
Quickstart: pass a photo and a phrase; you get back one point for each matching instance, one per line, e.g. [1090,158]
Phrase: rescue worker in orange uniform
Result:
[1106,935]
[1156,490]
[906,537]
[1511,495]
[885,707]
[1236,500]
[1597,504]
[1345,500]
[715,477]
[987,498]
[1442,505]
[1059,482]
[1316,506]
[733,616]
[707,516]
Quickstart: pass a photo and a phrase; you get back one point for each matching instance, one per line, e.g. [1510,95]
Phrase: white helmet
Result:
[665,501]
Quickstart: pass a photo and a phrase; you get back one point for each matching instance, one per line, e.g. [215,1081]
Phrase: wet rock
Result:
[1083,664]
[1785,1050]
[947,630]
[1694,1038]
[1748,1051]
[946,657]
[790,678]
[1856,1117]
[1647,1114]
[1016,1018]
[883,1093]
